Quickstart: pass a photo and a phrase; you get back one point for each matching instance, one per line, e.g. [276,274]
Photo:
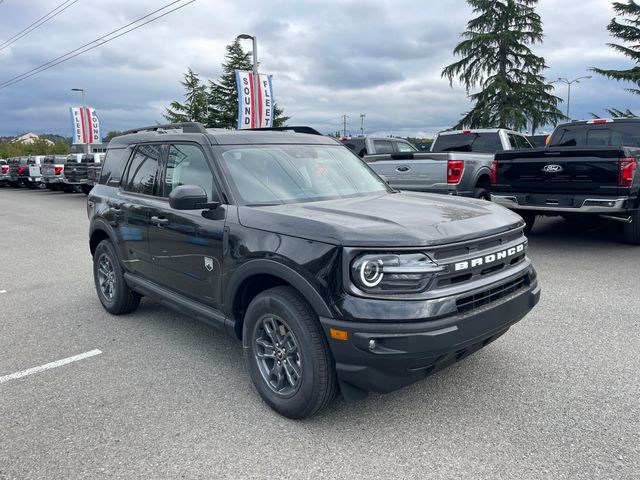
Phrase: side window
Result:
[382,146]
[187,165]
[404,147]
[141,174]
[113,165]
[512,141]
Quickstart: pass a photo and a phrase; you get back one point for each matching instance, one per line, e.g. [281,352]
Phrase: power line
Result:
[90,46]
[38,23]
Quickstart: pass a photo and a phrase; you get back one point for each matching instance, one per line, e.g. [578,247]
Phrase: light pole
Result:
[85,124]
[254,40]
[362,116]
[569,83]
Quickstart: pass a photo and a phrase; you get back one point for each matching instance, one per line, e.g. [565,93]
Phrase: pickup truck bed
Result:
[572,179]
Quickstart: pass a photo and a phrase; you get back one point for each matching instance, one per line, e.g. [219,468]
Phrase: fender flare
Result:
[102,225]
[280,270]
[481,172]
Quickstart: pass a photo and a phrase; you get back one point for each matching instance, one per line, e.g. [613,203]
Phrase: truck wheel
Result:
[481,193]
[287,354]
[86,189]
[632,230]
[114,293]
[530,220]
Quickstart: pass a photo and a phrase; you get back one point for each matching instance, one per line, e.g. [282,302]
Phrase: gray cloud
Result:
[328,58]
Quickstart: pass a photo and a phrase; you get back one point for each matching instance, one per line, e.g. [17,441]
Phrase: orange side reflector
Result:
[339,334]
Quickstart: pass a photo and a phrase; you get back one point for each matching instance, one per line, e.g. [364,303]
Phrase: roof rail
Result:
[298,129]
[187,127]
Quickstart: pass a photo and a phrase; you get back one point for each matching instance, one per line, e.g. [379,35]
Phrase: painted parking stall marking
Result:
[49,366]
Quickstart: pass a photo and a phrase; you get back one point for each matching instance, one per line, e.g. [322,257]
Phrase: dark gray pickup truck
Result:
[590,168]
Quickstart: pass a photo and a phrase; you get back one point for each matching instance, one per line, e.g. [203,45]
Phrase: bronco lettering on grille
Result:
[488,259]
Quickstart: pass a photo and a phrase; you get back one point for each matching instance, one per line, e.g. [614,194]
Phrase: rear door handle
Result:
[161,222]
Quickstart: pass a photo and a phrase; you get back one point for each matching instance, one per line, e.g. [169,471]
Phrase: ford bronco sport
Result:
[291,243]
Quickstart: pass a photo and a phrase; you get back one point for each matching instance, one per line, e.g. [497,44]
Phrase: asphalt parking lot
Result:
[166,397]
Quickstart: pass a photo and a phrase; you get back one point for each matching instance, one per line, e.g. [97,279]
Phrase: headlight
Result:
[393,272]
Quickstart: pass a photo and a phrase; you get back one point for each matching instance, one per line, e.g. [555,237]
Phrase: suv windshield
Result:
[276,174]
[468,142]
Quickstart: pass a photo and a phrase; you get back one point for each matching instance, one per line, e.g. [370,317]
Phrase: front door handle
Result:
[160,222]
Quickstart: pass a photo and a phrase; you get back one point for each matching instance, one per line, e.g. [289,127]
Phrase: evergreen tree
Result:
[223,94]
[497,58]
[616,113]
[195,107]
[629,32]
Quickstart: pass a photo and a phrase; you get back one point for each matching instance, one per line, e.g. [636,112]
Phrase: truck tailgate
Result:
[417,172]
[559,170]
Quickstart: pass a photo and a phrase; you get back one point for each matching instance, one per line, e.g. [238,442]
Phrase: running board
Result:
[177,302]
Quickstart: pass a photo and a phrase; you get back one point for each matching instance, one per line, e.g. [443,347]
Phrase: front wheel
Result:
[114,293]
[287,354]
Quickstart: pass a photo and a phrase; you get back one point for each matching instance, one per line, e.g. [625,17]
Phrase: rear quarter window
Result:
[113,165]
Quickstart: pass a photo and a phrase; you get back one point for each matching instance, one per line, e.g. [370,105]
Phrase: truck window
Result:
[382,146]
[405,147]
[468,142]
[611,134]
[518,141]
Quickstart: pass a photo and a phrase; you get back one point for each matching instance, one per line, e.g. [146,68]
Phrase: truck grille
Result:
[486,297]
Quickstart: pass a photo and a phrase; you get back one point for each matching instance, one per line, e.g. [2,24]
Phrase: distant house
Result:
[29,139]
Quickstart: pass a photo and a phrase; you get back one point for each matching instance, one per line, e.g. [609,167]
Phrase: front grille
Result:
[473,302]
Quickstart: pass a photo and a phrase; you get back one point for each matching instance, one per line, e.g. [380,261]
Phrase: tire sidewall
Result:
[106,248]
[294,405]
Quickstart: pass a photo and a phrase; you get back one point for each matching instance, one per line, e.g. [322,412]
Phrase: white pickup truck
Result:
[459,162]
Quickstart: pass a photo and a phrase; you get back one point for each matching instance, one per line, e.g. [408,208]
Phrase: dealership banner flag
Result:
[246,94]
[85,127]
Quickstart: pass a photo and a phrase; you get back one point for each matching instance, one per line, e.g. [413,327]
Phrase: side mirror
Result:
[190,197]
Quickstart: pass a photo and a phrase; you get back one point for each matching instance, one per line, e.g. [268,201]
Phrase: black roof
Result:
[196,131]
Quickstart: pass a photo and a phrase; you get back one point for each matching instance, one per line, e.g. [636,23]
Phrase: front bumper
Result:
[382,357]
[562,203]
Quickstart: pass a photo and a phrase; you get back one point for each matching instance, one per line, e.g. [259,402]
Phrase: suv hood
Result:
[404,219]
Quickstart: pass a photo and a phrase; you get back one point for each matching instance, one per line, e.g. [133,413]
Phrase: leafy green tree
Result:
[223,94]
[627,30]
[195,108]
[39,147]
[497,58]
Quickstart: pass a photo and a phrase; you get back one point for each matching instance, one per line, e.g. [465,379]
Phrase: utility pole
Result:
[344,124]
[362,115]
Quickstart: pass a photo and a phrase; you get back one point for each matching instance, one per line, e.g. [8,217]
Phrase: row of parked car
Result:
[66,173]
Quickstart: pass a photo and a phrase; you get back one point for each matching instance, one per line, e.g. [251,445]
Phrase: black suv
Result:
[291,243]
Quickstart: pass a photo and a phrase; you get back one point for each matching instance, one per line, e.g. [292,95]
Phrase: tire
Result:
[86,189]
[632,230]
[116,297]
[309,382]
[482,193]
[530,220]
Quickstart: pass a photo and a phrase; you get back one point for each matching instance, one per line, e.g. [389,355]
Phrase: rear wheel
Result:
[287,354]
[529,219]
[114,293]
[86,189]
[632,230]
[482,193]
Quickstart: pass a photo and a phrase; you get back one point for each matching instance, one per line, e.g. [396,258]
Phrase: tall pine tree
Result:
[497,59]
[628,30]
[195,107]
[223,94]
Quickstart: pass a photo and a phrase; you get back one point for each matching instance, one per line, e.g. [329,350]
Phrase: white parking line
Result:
[48,366]
[3,291]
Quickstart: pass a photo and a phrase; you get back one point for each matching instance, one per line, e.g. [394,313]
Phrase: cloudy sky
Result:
[328,58]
